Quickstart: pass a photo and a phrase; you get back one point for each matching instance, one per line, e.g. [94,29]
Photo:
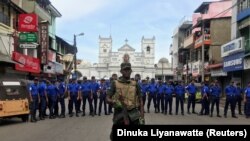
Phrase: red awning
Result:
[212,66]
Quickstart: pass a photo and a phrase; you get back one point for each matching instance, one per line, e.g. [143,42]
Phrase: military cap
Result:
[36,79]
[125,65]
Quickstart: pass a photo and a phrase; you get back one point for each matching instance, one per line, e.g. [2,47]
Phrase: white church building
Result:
[109,61]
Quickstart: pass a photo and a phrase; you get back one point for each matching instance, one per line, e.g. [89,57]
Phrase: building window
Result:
[243,4]
[105,50]
[148,49]
[4,16]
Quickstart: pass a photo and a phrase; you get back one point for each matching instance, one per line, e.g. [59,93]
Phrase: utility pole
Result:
[202,51]
[162,71]
[75,60]
[75,55]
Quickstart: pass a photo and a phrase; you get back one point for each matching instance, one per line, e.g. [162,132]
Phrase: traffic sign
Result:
[28,45]
[27,37]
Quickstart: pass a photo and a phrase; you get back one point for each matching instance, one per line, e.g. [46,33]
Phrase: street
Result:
[98,127]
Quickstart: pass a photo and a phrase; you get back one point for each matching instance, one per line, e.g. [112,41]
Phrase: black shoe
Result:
[234,116]
[225,116]
[71,115]
[194,112]
[62,116]
[170,114]
[189,113]
[32,120]
[182,114]
[218,115]
[212,115]
[148,111]
[77,115]
[240,113]
[99,114]
[176,113]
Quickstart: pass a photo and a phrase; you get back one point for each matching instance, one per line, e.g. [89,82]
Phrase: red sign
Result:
[44,42]
[30,64]
[28,23]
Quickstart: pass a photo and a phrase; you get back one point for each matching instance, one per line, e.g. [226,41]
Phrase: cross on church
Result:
[126,41]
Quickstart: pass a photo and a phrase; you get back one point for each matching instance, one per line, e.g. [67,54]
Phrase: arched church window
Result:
[148,49]
[105,50]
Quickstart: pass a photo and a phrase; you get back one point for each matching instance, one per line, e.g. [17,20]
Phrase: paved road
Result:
[95,128]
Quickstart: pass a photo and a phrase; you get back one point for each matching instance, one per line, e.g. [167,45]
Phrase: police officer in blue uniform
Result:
[204,99]
[239,93]
[85,93]
[102,97]
[61,96]
[230,99]
[247,101]
[34,98]
[43,99]
[160,96]
[215,93]
[168,91]
[52,92]
[94,89]
[191,90]
[179,95]
[73,96]
[152,94]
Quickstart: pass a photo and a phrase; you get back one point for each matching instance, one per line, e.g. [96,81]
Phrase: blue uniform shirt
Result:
[180,90]
[152,88]
[230,90]
[205,90]
[62,88]
[85,87]
[247,92]
[169,89]
[191,89]
[73,88]
[238,91]
[52,91]
[215,91]
[144,89]
[34,89]
[94,87]
[103,89]
[160,89]
[42,88]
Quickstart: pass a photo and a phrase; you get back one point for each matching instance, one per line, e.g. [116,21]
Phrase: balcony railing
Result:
[33,6]
[188,41]
[199,42]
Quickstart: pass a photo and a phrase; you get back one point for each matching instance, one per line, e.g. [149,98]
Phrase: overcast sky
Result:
[121,19]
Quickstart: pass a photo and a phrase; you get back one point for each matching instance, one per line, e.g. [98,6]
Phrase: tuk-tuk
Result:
[14,99]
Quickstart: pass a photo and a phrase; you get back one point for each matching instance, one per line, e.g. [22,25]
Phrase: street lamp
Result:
[75,61]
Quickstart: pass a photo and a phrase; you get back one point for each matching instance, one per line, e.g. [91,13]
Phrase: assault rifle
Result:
[124,109]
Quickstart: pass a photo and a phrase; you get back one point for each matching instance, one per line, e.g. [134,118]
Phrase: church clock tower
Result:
[148,51]
[105,48]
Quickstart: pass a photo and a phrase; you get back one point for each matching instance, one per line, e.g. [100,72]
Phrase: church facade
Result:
[109,61]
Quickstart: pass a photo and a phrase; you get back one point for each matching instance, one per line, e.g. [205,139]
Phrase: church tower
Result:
[105,47]
[148,51]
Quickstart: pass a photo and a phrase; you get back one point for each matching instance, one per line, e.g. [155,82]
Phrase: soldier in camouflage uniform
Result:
[125,96]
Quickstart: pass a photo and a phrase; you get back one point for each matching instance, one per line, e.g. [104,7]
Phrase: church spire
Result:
[126,41]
